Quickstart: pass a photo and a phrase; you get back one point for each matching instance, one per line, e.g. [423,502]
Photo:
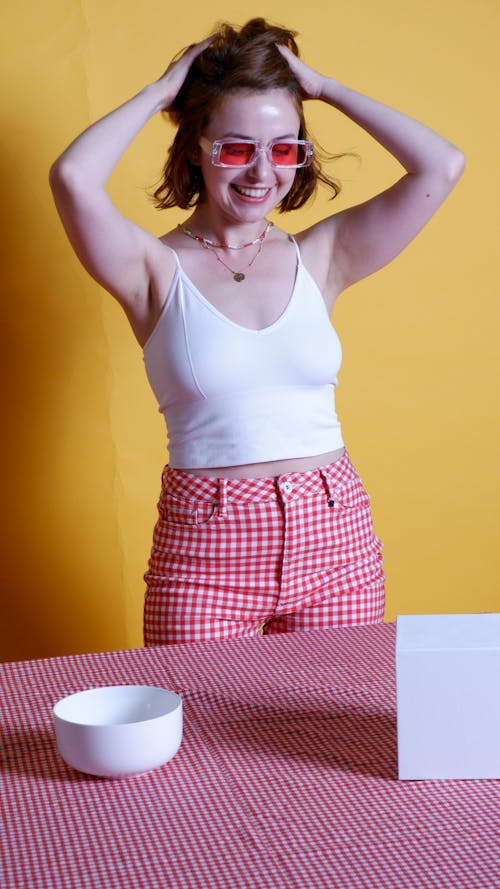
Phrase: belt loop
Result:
[329,487]
[222,497]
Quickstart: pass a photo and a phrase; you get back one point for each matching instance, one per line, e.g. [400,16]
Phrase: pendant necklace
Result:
[211,245]
[237,276]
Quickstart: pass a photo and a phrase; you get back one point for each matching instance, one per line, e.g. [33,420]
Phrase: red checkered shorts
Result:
[237,557]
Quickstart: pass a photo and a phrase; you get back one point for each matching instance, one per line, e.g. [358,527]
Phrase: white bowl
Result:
[120,730]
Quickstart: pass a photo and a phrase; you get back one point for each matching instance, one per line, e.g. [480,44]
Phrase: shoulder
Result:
[317,250]
[162,260]
[144,311]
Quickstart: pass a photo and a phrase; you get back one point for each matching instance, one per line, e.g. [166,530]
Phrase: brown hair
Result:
[245,60]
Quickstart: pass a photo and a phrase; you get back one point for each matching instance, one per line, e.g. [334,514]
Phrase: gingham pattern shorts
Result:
[237,557]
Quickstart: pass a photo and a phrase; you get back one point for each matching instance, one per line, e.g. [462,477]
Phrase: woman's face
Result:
[246,194]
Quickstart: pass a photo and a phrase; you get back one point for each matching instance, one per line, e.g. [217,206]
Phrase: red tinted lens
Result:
[288,154]
[236,154]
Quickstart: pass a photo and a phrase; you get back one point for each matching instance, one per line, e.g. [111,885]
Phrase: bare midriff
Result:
[270,469]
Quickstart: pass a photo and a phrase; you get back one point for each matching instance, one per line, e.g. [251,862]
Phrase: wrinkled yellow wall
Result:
[82,443]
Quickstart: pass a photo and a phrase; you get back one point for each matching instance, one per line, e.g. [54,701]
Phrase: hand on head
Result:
[175,75]
[311,82]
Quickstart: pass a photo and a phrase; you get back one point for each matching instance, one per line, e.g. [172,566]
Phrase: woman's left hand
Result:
[311,81]
[172,79]
[366,237]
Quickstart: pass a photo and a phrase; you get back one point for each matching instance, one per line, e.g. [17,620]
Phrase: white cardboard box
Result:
[448,695]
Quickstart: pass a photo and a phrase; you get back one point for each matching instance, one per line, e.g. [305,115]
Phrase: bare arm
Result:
[364,238]
[115,251]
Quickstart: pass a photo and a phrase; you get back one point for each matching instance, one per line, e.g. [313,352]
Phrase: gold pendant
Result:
[239,276]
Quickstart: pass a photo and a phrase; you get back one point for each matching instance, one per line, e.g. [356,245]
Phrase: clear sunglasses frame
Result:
[214,150]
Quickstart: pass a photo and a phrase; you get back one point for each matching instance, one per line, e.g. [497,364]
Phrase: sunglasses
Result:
[290,153]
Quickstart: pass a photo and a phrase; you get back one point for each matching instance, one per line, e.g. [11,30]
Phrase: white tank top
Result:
[231,395]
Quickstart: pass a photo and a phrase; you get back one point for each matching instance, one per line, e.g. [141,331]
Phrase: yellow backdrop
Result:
[82,443]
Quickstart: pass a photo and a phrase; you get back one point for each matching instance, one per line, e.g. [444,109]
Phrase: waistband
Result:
[289,486]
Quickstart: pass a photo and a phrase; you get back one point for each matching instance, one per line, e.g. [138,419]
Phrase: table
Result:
[286,777]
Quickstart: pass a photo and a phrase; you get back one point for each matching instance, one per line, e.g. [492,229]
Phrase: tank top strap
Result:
[297,250]
[174,254]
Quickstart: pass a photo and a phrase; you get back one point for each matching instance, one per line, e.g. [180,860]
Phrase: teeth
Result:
[251,192]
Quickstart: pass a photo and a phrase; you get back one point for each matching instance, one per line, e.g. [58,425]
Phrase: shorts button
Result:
[288,487]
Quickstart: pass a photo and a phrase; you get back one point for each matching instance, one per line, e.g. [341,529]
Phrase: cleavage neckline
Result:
[252,330]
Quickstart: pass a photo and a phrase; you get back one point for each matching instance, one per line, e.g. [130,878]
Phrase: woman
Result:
[264,525]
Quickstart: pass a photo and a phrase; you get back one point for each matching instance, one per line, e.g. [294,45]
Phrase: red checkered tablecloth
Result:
[286,778]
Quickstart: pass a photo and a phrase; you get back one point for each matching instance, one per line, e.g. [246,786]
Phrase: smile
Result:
[256,193]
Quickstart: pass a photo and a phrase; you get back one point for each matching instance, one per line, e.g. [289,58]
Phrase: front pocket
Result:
[183,512]
[352,495]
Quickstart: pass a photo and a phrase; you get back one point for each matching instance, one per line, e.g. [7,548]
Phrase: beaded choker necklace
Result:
[208,243]
[211,245]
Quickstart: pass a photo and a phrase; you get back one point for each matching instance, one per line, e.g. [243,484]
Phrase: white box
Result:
[448,695]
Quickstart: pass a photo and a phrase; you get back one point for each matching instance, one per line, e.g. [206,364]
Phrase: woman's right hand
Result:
[172,79]
[128,261]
